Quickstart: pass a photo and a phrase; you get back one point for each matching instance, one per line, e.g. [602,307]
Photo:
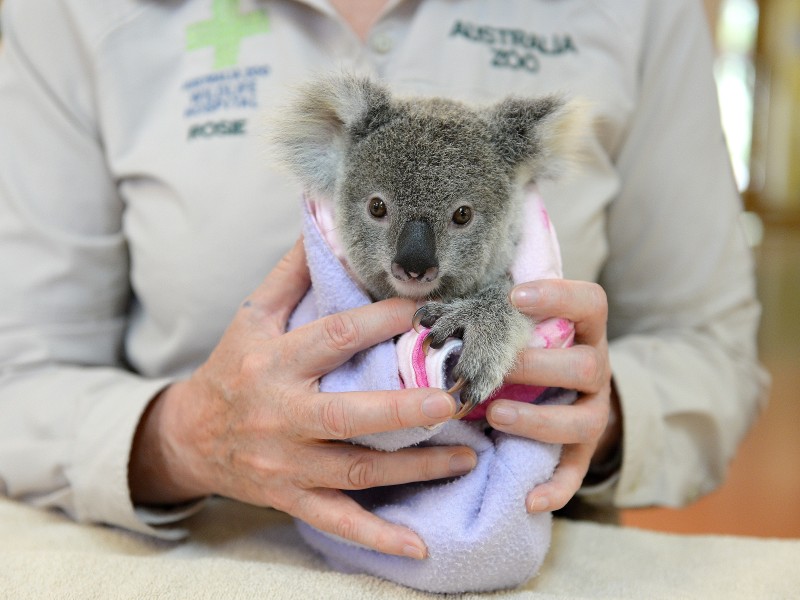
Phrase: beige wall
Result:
[712,10]
[779,106]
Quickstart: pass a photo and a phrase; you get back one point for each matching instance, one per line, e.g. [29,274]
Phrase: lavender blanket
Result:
[478,533]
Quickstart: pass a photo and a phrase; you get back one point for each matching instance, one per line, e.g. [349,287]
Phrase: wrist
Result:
[157,472]
[607,457]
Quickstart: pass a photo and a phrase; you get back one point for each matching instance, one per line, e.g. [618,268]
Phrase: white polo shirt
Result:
[137,208]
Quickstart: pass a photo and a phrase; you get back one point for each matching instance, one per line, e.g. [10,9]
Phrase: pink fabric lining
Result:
[418,360]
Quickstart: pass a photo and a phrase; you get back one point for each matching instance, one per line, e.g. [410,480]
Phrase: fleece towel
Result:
[478,533]
[240,552]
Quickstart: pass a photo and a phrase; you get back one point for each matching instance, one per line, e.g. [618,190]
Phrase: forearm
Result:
[606,459]
[65,440]
[687,402]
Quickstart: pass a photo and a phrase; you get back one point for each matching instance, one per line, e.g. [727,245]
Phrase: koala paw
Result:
[492,333]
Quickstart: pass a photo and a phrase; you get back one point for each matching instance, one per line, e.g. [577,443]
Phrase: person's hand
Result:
[590,429]
[251,424]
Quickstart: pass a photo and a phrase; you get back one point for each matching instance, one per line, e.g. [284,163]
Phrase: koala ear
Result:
[314,132]
[538,137]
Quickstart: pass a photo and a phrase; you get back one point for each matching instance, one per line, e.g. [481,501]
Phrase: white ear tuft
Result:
[540,137]
[563,136]
[312,133]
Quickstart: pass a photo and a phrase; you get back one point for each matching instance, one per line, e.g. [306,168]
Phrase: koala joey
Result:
[427,197]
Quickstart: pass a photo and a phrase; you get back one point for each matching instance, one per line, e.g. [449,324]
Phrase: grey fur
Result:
[347,138]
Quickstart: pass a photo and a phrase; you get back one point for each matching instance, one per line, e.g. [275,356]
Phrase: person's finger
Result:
[582,302]
[333,512]
[324,344]
[584,368]
[567,479]
[578,423]
[343,415]
[349,467]
[281,290]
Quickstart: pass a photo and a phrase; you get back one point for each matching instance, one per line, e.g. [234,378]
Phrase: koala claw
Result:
[427,315]
[426,344]
[457,385]
[467,406]
[417,320]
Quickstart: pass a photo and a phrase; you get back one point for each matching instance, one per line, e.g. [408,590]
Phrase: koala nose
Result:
[416,253]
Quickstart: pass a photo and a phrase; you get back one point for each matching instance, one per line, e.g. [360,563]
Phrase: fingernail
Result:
[438,406]
[461,463]
[538,504]
[522,296]
[414,552]
[504,415]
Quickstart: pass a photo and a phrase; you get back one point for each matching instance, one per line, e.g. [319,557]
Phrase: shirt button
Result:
[381,43]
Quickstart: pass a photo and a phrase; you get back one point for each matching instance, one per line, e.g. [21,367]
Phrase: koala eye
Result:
[463,215]
[377,208]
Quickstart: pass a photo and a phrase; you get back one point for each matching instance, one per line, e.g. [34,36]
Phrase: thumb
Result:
[284,287]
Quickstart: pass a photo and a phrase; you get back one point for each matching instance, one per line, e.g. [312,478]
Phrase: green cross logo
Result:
[225,31]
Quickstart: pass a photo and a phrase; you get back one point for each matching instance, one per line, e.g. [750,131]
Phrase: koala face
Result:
[426,206]
[427,192]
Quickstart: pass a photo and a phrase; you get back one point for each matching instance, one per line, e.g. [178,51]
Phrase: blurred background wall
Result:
[758,77]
